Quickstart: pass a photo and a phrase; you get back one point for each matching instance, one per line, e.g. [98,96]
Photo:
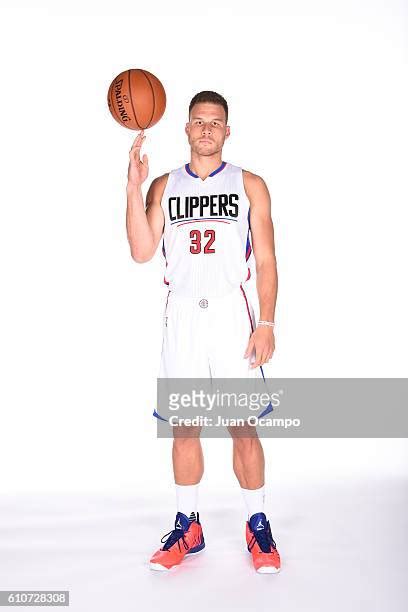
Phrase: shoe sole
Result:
[268,569]
[161,568]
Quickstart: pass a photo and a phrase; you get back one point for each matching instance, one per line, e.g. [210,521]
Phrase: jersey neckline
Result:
[213,173]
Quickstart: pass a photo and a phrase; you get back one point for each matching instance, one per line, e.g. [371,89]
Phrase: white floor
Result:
[343,547]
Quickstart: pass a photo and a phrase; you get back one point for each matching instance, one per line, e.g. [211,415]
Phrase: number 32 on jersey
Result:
[197,241]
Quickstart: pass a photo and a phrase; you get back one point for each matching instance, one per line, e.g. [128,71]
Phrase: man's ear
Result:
[227,131]
[187,128]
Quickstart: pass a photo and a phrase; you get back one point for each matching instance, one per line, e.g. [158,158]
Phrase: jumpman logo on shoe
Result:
[179,525]
[260,525]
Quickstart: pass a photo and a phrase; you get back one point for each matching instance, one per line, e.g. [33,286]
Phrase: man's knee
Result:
[244,434]
[186,436]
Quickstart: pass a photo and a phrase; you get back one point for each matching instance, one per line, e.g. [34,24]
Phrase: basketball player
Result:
[205,212]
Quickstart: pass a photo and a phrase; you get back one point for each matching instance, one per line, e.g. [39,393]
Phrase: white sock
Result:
[187,499]
[254,500]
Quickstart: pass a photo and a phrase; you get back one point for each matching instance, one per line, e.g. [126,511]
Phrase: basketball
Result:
[136,99]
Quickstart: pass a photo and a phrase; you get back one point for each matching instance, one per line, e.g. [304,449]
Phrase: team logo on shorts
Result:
[203,303]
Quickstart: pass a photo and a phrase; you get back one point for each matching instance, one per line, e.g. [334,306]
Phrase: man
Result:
[205,211]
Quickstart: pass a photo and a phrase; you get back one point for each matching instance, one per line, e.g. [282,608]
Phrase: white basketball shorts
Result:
[207,337]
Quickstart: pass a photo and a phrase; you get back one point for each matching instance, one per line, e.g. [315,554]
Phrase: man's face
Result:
[207,129]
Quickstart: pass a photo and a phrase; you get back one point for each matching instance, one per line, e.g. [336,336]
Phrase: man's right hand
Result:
[138,169]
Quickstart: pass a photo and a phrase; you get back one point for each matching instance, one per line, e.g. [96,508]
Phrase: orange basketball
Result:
[136,99]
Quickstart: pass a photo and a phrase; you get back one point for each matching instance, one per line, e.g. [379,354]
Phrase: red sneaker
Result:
[186,538]
[261,544]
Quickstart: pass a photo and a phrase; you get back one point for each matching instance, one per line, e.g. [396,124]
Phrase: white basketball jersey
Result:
[206,240]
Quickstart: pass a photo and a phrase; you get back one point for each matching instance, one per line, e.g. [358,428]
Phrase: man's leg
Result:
[248,457]
[188,460]
[188,466]
[249,468]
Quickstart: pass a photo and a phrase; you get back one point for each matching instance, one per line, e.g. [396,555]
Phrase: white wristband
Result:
[268,323]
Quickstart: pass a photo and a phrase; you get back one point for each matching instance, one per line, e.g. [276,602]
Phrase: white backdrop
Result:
[318,96]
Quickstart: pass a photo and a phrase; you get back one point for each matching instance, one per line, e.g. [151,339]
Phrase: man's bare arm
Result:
[144,226]
[263,245]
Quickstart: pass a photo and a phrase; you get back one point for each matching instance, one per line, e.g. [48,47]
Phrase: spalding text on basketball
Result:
[118,95]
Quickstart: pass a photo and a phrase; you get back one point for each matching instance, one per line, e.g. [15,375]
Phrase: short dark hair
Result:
[209,96]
